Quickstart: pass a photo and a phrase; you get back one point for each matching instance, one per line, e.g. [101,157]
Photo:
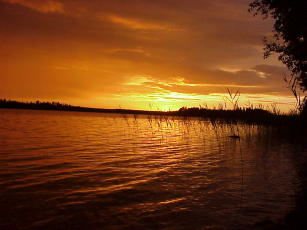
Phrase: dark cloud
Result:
[46,6]
[79,48]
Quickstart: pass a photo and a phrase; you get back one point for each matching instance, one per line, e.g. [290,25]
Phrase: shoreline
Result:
[247,115]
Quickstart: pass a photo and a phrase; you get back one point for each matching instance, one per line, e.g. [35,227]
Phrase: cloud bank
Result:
[91,52]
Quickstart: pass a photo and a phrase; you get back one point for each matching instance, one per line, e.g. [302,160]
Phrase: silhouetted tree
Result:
[290,35]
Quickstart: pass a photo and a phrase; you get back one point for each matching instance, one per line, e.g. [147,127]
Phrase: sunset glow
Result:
[137,55]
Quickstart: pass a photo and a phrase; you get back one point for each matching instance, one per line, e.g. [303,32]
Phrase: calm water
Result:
[70,170]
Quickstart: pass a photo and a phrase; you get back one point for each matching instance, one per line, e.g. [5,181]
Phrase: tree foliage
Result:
[290,35]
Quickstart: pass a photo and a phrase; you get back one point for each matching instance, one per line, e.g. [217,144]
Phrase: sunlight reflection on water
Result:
[70,170]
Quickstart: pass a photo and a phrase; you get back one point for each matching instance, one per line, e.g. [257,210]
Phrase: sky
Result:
[138,54]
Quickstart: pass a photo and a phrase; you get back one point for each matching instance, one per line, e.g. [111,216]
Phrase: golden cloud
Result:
[138,24]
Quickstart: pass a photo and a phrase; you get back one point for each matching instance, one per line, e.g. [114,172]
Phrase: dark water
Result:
[67,170]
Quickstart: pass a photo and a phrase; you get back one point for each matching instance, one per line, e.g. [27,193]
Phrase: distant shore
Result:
[244,115]
[10,104]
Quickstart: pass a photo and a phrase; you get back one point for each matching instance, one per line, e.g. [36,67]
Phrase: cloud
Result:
[46,6]
[246,81]
[137,24]
[94,48]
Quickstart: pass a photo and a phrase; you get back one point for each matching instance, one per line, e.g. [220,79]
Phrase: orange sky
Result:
[138,54]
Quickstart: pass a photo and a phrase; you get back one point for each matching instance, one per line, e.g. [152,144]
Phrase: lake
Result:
[76,170]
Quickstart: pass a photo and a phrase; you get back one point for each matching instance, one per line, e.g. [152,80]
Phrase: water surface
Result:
[74,170]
